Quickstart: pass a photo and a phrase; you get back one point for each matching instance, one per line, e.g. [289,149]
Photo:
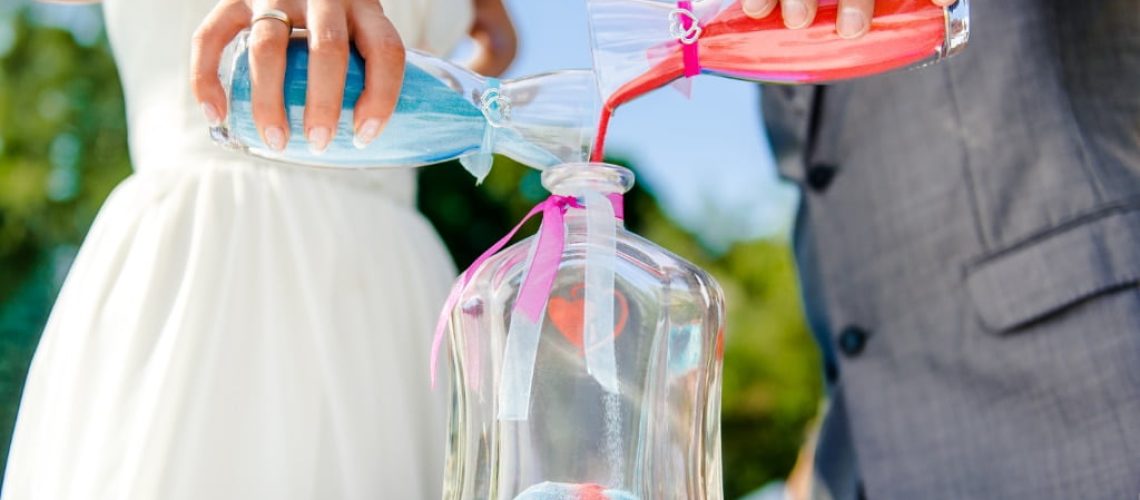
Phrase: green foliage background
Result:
[63,149]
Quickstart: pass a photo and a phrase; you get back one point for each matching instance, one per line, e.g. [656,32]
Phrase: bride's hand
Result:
[853,21]
[331,24]
[495,37]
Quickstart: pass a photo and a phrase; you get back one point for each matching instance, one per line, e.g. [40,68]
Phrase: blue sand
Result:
[432,122]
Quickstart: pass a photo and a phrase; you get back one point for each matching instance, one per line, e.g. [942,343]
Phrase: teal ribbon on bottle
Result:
[496,109]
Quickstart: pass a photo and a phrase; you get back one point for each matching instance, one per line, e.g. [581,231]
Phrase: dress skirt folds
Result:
[239,332]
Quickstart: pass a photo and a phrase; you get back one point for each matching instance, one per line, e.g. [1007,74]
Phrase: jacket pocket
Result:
[1053,271]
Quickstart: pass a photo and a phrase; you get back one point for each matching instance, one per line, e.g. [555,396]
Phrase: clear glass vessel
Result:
[444,112]
[656,437]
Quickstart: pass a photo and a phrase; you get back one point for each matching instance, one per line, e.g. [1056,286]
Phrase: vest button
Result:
[819,176]
[852,340]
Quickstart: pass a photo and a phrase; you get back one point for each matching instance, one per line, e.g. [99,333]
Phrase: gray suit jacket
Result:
[969,246]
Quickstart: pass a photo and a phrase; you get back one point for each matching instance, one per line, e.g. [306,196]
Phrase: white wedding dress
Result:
[234,328]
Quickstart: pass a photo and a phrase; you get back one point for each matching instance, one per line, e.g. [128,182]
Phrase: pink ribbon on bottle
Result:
[539,281]
[688,36]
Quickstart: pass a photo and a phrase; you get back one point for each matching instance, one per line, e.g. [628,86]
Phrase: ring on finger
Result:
[273,14]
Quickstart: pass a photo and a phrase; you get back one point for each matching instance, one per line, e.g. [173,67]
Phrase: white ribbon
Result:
[601,254]
[519,356]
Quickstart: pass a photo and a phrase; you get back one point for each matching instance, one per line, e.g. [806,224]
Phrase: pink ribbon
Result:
[689,51]
[539,281]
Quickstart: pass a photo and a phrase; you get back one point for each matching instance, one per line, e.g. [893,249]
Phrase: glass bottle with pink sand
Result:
[644,423]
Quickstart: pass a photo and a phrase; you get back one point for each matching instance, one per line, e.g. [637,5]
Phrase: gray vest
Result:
[969,247]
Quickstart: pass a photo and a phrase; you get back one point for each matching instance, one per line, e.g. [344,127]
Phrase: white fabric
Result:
[236,329]
[601,254]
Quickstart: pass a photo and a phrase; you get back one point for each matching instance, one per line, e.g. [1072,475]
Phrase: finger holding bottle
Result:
[221,25]
[269,35]
[271,23]
[328,62]
[853,18]
[796,14]
[383,52]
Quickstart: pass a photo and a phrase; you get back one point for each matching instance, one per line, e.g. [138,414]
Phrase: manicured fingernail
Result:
[366,133]
[852,23]
[212,114]
[756,8]
[275,138]
[795,14]
[318,139]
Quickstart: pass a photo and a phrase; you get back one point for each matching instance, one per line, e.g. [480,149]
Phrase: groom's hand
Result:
[852,21]
[332,24]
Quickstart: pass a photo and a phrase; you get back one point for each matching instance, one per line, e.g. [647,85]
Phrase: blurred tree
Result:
[63,148]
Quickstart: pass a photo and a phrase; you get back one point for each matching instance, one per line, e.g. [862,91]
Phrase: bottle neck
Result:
[574,179]
[584,182]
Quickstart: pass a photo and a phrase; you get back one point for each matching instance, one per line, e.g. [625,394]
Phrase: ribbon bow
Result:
[496,109]
[530,305]
[685,26]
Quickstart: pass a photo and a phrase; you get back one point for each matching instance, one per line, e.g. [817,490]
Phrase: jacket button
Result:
[852,340]
[819,176]
[830,372]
